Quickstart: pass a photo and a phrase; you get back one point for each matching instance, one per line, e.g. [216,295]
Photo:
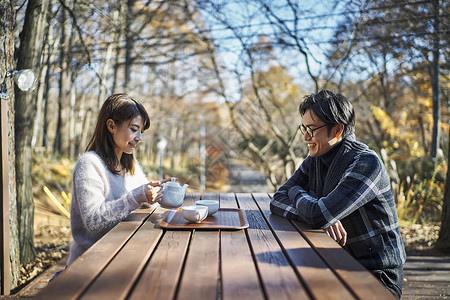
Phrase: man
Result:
[343,187]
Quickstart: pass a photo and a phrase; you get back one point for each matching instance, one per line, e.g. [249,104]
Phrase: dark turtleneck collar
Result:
[328,169]
[328,157]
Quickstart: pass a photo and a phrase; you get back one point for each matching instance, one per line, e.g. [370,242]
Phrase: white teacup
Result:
[213,205]
[195,213]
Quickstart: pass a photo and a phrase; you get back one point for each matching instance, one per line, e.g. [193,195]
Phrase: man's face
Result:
[321,142]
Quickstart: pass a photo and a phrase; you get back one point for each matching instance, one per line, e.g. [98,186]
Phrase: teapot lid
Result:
[173,182]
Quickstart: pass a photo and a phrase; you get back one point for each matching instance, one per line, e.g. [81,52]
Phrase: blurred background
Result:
[222,81]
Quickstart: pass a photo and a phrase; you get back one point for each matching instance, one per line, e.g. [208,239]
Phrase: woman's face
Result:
[126,136]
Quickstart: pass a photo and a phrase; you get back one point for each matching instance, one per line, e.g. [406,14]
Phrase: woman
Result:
[108,182]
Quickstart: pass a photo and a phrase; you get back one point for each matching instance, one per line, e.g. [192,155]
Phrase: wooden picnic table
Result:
[273,258]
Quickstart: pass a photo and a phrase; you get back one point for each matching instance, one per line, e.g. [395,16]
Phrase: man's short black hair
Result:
[331,108]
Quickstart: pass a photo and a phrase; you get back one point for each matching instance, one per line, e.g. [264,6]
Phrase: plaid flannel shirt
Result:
[362,201]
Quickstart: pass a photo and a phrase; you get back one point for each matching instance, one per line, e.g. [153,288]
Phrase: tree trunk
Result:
[85,129]
[28,58]
[443,242]
[71,96]
[39,101]
[72,120]
[9,251]
[121,19]
[42,130]
[435,84]
[63,77]
[45,116]
[129,45]
[81,115]
[42,35]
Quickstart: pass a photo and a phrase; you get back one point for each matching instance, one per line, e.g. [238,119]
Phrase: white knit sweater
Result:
[100,200]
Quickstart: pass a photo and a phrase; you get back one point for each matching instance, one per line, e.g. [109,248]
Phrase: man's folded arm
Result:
[281,205]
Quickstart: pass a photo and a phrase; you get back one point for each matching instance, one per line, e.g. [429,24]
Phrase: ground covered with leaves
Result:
[419,239]
[52,244]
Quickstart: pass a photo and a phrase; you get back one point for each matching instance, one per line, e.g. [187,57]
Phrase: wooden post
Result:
[4,235]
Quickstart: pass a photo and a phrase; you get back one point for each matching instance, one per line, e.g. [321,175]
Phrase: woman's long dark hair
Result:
[119,108]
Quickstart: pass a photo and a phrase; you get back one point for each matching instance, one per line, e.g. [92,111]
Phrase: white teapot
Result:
[173,194]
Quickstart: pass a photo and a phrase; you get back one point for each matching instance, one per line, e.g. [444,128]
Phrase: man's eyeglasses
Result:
[306,129]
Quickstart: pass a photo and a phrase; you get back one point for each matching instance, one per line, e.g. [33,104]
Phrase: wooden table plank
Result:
[279,279]
[159,279]
[363,284]
[118,278]
[211,196]
[190,198]
[320,280]
[228,200]
[74,280]
[239,275]
[200,278]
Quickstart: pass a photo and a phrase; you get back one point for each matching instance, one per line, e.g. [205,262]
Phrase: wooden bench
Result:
[41,281]
[273,258]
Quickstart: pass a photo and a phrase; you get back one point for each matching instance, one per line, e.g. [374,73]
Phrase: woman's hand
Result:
[168,179]
[337,233]
[153,191]
[159,183]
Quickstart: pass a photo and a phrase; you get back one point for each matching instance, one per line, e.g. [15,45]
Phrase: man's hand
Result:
[337,233]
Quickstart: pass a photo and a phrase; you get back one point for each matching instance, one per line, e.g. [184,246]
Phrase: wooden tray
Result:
[224,218]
